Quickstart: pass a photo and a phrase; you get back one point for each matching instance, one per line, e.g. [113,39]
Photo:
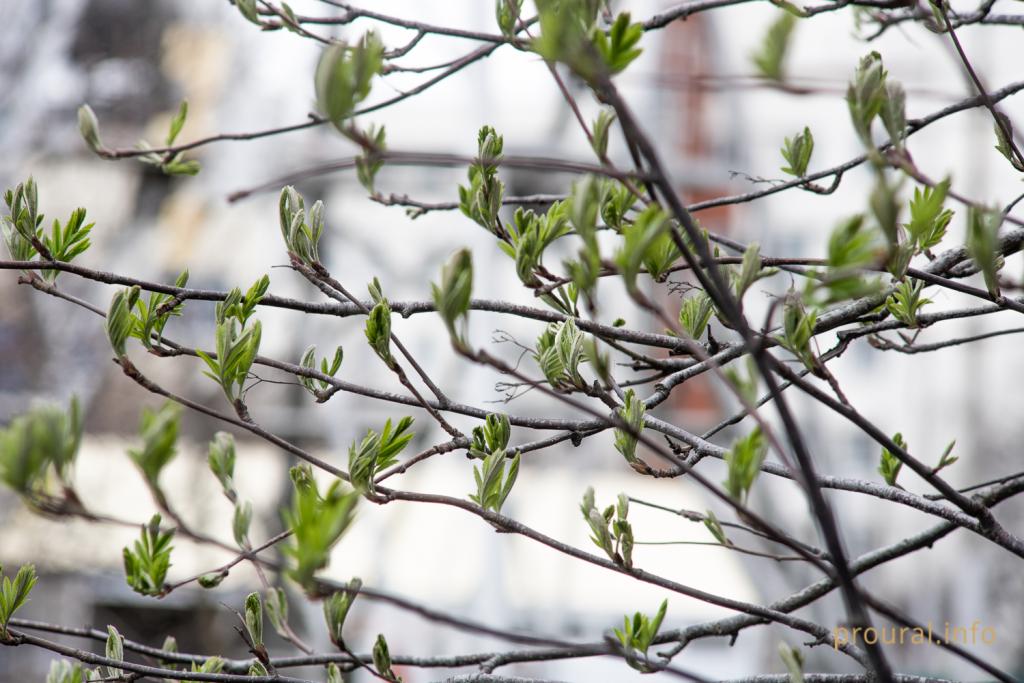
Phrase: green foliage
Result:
[212,665]
[14,594]
[114,650]
[254,618]
[894,114]
[947,458]
[794,661]
[481,201]
[599,130]
[277,610]
[151,317]
[565,35]
[745,386]
[492,484]
[120,321]
[852,247]
[750,270]
[1003,146]
[618,46]
[611,529]
[382,659]
[237,342]
[695,314]
[317,524]
[240,522]
[221,459]
[928,218]
[147,561]
[315,386]
[769,59]
[632,413]
[378,332]
[23,232]
[376,452]
[584,202]
[559,352]
[885,207]
[983,244]
[343,76]
[866,95]
[336,608]
[43,441]
[89,127]
[177,122]
[492,436]
[744,464]
[798,329]
[159,432]
[301,233]
[334,674]
[529,236]
[249,10]
[168,163]
[712,524]
[63,671]
[645,242]
[637,636]
[507,12]
[452,296]
[906,301]
[369,164]
[797,153]
[890,465]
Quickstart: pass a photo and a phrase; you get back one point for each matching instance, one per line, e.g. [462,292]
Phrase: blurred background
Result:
[719,129]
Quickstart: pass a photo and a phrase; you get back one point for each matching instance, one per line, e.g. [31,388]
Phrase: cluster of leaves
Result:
[570,33]
[611,529]
[131,317]
[743,461]
[147,561]
[317,523]
[317,386]
[529,235]
[632,414]
[798,329]
[23,234]
[237,342]
[490,445]
[481,201]
[769,58]
[172,164]
[637,635]
[39,447]
[63,671]
[344,74]
[14,594]
[376,452]
[797,153]
[159,432]
[983,244]
[301,232]
[559,353]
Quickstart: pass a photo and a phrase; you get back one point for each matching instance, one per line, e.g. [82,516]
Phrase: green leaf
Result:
[890,464]
[382,658]
[599,131]
[240,523]
[744,464]
[866,96]
[120,322]
[14,594]
[1003,145]
[632,414]
[983,244]
[248,10]
[794,661]
[507,12]
[797,153]
[159,432]
[769,59]
[115,651]
[254,618]
[177,122]
[378,331]
[452,295]
[147,561]
[89,127]
[617,46]
[221,460]
[906,301]
[317,524]
[336,609]
[343,76]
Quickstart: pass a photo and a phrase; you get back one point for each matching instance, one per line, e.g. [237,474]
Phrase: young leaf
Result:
[983,244]
[769,59]
[890,465]
[797,153]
